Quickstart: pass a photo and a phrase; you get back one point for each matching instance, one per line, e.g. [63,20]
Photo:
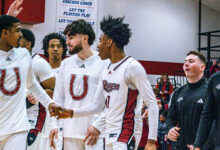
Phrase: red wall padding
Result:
[33,11]
[0,7]
[158,68]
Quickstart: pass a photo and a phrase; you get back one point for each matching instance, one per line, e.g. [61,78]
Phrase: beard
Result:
[76,49]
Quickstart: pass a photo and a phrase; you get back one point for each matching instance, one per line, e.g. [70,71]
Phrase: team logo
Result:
[85,87]
[112,135]
[200,101]
[108,87]
[179,99]
[2,81]
[8,59]
[82,66]
[218,87]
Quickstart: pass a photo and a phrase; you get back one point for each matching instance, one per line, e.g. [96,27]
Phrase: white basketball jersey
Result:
[13,75]
[42,71]
[75,88]
[120,103]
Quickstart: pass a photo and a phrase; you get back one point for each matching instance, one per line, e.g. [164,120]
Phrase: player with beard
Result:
[16,74]
[120,82]
[77,83]
[54,47]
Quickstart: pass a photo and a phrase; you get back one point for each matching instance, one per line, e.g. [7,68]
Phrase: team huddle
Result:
[86,102]
[95,100]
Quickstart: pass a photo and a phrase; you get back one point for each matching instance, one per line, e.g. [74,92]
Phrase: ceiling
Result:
[214,4]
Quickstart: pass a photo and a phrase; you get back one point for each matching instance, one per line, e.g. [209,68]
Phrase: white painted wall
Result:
[163,30]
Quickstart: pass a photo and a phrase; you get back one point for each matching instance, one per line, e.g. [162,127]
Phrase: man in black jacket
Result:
[187,102]
[210,113]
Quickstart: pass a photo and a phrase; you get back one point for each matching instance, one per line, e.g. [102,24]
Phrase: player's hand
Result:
[65,113]
[165,138]
[92,135]
[191,147]
[145,114]
[173,134]
[54,109]
[31,99]
[53,133]
[150,145]
[15,8]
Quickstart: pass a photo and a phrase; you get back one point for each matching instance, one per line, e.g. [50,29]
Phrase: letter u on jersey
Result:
[85,87]
[2,81]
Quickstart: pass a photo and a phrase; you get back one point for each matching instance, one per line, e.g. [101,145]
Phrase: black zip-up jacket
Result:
[211,112]
[186,108]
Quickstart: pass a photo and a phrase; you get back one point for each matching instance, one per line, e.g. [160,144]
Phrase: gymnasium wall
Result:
[163,30]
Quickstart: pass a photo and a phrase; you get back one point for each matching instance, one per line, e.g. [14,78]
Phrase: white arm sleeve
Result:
[42,69]
[95,107]
[99,123]
[35,88]
[136,75]
[59,90]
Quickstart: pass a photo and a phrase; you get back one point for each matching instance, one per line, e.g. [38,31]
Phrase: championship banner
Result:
[70,10]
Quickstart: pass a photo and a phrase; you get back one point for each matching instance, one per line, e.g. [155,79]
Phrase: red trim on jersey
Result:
[85,87]
[2,80]
[41,118]
[121,63]
[128,119]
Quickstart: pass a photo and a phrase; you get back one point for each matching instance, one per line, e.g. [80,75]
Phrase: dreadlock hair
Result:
[115,29]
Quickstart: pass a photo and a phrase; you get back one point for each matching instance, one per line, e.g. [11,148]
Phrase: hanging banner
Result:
[70,10]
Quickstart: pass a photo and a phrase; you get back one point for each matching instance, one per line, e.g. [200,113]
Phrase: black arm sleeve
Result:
[207,117]
[172,114]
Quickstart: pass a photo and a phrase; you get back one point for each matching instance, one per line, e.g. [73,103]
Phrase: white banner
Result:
[71,10]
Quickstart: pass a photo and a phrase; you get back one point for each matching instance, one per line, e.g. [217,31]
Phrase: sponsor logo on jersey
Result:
[200,101]
[108,87]
[179,99]
[82,66]
[218,87]
[8,59]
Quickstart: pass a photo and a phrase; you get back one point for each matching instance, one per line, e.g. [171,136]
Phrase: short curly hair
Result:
[6,22]
[80,27]
[29,36]
[115,29]
[47,39]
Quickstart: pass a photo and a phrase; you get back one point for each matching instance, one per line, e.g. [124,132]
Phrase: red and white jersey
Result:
[118,89]
[122,84]
[75,87]
[42,71]
[15,74]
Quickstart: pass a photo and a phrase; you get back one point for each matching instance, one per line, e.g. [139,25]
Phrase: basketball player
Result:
[77,83]
[45,76]
[54,47]
[121,81]
[15,75]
